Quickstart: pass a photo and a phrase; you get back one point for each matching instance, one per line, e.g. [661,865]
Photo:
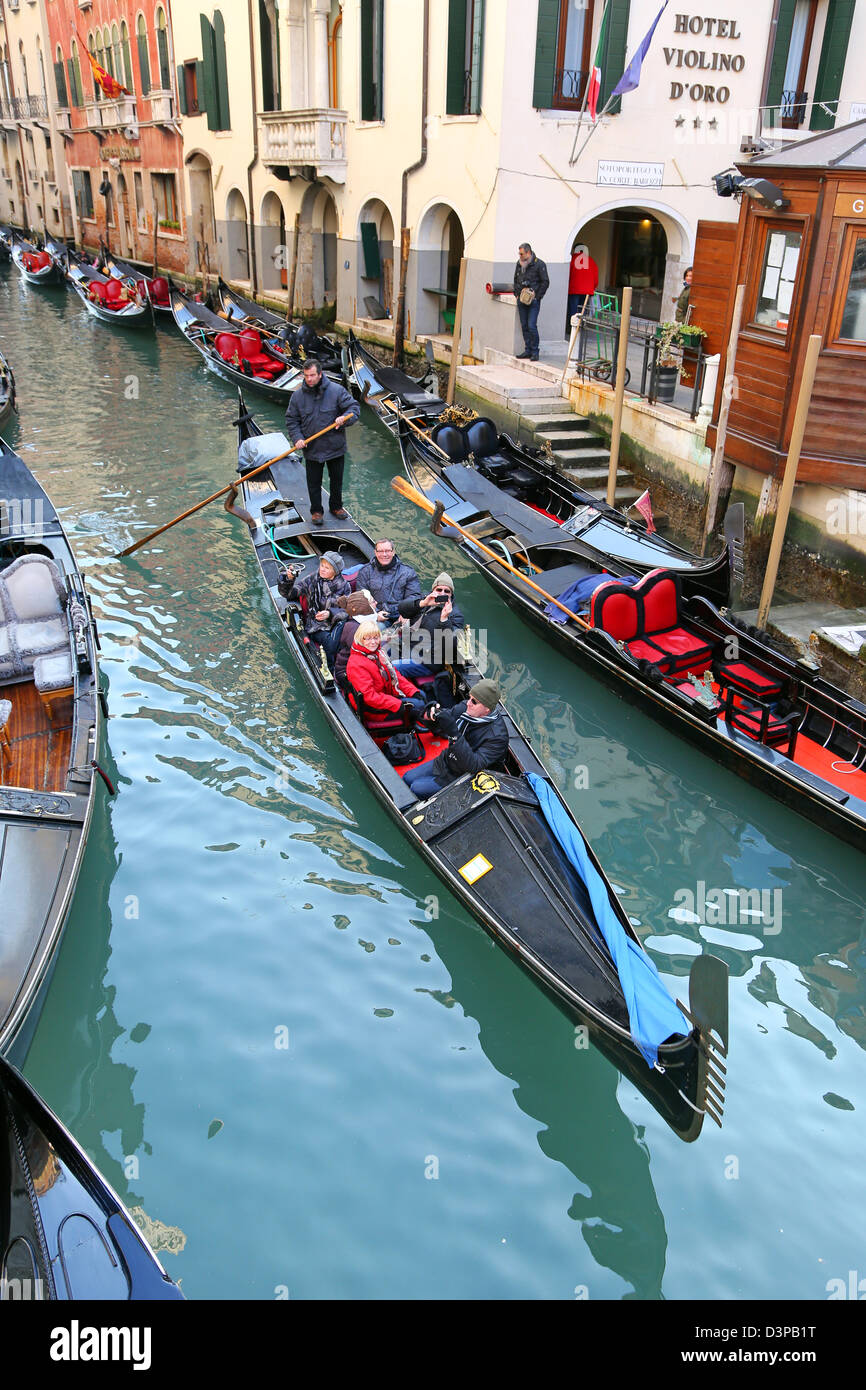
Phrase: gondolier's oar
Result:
[412,495]
[401,415]
[130,549]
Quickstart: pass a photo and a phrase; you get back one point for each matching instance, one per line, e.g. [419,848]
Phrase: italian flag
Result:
[595,75]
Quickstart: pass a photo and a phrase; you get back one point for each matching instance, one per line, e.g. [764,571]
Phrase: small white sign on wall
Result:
[858,111]
[628,173]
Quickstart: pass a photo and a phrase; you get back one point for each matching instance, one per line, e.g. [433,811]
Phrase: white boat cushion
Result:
[261,448]
[53,672]
[8,665]
[38,637]
[32,587]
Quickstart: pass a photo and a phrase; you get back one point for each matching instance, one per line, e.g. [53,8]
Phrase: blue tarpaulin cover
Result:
[582,590]
[652,1013]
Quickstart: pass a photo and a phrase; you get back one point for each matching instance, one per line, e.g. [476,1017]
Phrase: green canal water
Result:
[272,1028]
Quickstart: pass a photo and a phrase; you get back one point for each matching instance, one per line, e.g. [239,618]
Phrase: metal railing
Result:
[24,108]
[646,375]
[792,112]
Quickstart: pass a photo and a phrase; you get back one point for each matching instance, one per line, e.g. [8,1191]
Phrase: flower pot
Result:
[666,384]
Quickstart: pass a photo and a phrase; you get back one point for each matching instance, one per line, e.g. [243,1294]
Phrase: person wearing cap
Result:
[434,644]
[389,580]
[478,739]
[317,595]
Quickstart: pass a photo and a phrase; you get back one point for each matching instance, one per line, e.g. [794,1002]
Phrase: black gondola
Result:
[390,392]
[64,1233]
[239,355]
[488,836]
[104,297]
[665,644]
[155,289]
[36,266]
[50,722]
[296,341]
[8,401]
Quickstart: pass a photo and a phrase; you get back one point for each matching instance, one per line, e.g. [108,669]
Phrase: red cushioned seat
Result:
[251,343]
[226,345]
[761,724]
[742,676]
[660,596]
[615,610]
[643,651]
[159,291]
[41,260]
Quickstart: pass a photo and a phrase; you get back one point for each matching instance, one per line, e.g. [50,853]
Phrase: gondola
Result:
[390,392]
[64,1233]
[6,235]
[504,841]
[662,642]
[106,298]
[7,390]
[240,356]
[296,341]
[156,289]
[37,267]
[50,723]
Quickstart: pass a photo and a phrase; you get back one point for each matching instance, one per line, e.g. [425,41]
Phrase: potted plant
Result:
[671,339]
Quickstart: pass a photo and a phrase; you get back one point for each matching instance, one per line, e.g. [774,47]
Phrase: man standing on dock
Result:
[531,282]
[313,407]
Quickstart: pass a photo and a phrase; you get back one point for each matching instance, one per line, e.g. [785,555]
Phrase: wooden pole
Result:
[455,338]
[290,306]
[616,427]
[155,230]
[714,479]
[400,315]
[790,476]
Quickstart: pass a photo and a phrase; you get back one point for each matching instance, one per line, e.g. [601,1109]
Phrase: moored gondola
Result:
[296,341]
[36,266]
[106,298]
[64,1233]
[6,235]
[240,356]
[50,722]
[390,392]
[156,289]
[503,840]
[8,401]
[660,639]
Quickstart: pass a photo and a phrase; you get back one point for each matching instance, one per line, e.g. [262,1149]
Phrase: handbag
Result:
[403,748]
[358,604]
[526,295]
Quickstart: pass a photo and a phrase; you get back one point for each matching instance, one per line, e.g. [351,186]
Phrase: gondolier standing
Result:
[531,282]
[314,406]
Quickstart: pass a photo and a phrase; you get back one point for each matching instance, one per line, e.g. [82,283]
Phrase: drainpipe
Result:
[254,276]
[400,316]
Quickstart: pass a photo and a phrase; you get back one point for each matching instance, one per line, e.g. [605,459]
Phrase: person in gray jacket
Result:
[314,406]
[389,580]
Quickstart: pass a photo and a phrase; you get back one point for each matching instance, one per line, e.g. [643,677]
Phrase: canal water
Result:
[296,1057]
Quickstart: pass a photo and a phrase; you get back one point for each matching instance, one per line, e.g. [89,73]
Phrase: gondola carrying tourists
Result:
[478,739]
[313,407]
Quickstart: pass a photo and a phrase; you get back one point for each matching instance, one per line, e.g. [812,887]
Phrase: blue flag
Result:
[631,76]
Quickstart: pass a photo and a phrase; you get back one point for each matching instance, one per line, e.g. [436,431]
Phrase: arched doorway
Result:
[236,245]
[202,213]
[272,241]
[375,257]
[317,254]
[438,253]
[644,246]
[127,245]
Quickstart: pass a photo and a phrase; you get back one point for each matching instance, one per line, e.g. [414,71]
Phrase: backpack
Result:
[403,748]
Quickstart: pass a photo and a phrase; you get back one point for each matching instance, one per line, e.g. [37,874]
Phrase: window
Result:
[269,32]
[786,97]
[76,91]
[108,194]
[60,79]
[49,157]
[188,88]
[853,325]
[140,211]
[83,191]
[128,80]
[166,202]
[214,85]
[109,55]
[372,24]
[162,47]
[143,56]
[565,48]
[465,44]
[778,278]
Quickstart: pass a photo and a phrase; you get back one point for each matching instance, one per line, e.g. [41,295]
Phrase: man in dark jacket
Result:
[530,278]
[433,644]
[388,580]
[478,738]
[314,406]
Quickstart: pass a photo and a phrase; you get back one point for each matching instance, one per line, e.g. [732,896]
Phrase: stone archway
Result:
[272,243]
[644,244]
[438,252]
[202,213]
[375,256]
[317,254]
[236,241]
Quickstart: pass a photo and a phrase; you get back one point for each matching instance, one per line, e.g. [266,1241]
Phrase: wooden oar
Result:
[401,415]
[130,549]
[412,495]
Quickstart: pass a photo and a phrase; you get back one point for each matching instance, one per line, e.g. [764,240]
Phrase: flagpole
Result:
[602,112]
[572,159]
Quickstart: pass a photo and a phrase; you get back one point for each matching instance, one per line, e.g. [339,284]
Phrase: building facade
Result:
[124,155]
[33,182]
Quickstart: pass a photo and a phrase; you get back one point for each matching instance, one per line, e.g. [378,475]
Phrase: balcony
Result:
[118,113]
[24,109]
[93,115]
[161,107]
[306,139]
[64,119]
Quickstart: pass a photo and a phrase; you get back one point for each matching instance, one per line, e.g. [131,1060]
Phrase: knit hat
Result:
[334,560]
[444,581]
[486,693]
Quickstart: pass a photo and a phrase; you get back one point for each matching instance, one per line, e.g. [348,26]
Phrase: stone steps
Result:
[582,458]
[590,478]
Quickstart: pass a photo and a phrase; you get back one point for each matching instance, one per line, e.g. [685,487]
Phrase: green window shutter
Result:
[779,61]
[181,90]
[545,53]
[60,84]
[128,80]
[455,89]
[72,92]
[207,89]
[367,83]
[834,51]
[164,68]
[222,72]
[199,86]
[370,245]
[613,59]
[144,63]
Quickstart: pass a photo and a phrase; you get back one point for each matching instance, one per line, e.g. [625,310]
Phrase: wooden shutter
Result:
[129,80]
[370,245]
[613,58]
[73,94]
[144,63]
[713,276]
[181,90]
[60,84]
[221,72]
[455,83]
[164,69]
[546,32]
[779,61]
[834,51]
[199,87]
[207,88]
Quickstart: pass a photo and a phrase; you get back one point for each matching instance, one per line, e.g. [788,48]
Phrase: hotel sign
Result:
[850,205]
[625,172]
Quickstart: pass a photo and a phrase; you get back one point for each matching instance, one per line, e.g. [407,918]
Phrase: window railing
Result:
[792,111]
[24,108]
[568,86]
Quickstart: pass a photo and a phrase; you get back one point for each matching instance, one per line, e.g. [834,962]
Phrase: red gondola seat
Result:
[647,619]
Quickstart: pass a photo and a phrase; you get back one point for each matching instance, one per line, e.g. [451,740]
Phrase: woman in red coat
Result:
[370,672]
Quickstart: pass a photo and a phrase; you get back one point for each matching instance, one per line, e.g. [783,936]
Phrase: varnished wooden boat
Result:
[156,289]
[504,841]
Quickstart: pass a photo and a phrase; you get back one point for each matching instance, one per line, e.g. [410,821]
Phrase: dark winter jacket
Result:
[390,585]
[320,594]
[532,276]
[344,650]
[314,408]
[433,642]
[478,743]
